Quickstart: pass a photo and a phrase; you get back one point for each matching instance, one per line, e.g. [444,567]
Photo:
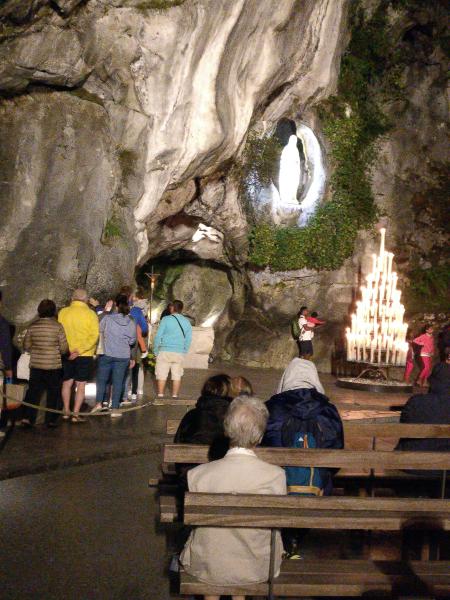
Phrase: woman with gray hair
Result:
[222,556]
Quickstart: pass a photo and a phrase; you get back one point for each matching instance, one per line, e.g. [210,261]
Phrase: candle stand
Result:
[375,377]
[376,339]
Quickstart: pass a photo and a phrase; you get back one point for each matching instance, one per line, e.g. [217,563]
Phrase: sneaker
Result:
[133,397]
[115,414]
[97,408]
[294,556]
[125,402]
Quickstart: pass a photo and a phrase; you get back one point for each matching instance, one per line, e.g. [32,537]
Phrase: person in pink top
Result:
[426,342]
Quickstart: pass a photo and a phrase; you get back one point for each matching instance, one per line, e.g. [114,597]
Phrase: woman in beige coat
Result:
[222,556]
[46,341]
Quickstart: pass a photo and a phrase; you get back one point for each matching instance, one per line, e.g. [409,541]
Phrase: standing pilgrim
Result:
[306,334]
[426,343]
[172,342]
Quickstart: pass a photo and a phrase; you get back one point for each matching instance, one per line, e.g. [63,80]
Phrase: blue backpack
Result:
[304,481]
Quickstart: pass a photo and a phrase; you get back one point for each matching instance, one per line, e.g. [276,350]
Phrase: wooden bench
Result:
[375,463]
[174,402]
[326,577]
[354,430]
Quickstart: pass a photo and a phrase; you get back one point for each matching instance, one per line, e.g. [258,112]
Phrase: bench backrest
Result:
[342,459]
[353,429]
[267,511]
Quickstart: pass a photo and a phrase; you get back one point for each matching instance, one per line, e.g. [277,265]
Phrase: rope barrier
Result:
[100,413]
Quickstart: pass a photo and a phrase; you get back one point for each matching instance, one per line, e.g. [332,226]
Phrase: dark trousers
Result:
[135,378]
[43,380]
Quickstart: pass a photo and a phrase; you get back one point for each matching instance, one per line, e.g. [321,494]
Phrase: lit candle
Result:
[373,344]
[388,349]
[390,258]
[383,233]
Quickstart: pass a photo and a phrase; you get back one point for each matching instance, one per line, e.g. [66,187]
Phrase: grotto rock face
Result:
[262,338]
[159,102]
[54,196]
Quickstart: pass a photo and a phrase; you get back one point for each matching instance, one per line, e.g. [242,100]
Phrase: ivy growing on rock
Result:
[113,229]
[256,169]
[352,121]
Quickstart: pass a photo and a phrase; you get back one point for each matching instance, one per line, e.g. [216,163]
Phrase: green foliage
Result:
[429,287]
[149,362]
[158,4]
[256,168]
[113,229]
[352,122]
[168,277]
[127,161]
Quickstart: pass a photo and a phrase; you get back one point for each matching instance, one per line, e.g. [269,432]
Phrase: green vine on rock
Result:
[113,229]
[255,169]
[352,122]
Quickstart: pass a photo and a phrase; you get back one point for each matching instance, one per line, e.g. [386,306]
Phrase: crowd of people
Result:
[232,422]
[66,348]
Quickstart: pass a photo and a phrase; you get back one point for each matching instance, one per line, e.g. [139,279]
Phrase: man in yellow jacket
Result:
[82,330]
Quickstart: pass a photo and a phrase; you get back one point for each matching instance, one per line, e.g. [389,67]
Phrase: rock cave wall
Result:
[120,125]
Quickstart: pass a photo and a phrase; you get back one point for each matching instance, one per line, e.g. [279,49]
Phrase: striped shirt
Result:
[46,341]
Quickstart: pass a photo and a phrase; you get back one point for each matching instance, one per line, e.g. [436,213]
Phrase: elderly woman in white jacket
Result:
[222,556]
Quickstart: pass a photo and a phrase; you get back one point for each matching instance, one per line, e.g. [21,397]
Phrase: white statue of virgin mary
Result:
[289,179]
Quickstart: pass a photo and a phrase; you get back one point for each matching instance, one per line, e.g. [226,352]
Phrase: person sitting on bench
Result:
[227,556]
[204,423]
[432,408]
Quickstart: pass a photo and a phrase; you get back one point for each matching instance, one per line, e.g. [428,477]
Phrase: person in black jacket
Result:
[432,409]
[300,415]
[204,423]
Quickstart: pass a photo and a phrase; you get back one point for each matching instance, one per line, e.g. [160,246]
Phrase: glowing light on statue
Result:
[377,334]
[292,178]
[316,170]
[210,320]
[289,179]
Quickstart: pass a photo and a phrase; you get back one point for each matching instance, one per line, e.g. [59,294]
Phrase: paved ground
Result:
[84,533]
[101,438]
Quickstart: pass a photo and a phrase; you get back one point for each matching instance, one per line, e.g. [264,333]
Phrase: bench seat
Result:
[249,510]
[341,578]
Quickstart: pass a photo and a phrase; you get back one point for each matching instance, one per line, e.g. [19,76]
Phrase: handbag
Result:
[13,394]
[23,366]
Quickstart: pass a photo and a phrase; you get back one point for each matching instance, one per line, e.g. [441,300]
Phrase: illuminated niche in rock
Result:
[299,185]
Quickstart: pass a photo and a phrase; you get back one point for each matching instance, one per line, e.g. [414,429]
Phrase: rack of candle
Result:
[378,334]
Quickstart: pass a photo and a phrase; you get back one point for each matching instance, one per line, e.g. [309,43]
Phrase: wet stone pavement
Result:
[78,520]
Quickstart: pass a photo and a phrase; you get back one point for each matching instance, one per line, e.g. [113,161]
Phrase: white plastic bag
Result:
[23,366]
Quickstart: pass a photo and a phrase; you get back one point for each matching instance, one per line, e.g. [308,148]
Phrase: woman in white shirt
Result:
[306,334]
